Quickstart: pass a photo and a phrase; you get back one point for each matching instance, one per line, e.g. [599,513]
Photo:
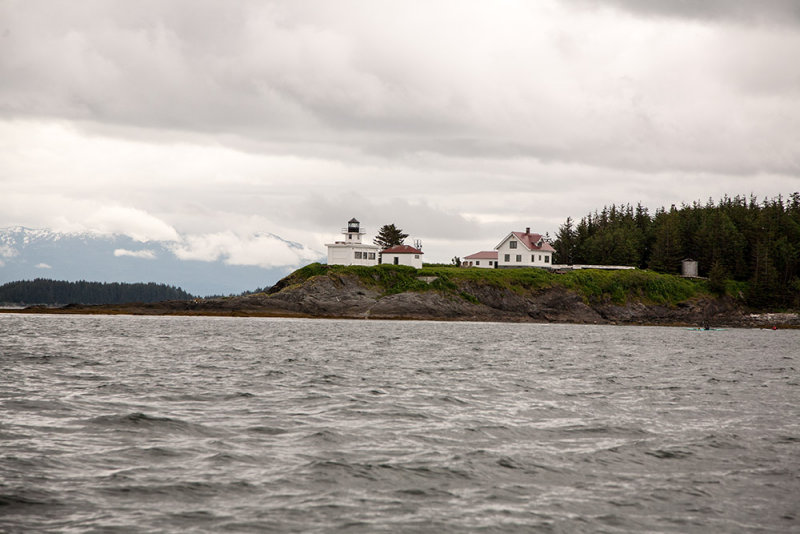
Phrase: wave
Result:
[670,454]
[267,430]
[36,405]
[141,421]
[23,498]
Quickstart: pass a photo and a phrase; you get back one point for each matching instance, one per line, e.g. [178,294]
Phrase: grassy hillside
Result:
[618,287]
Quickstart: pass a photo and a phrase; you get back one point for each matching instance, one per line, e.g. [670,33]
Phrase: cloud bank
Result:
[258,250]
[207,124]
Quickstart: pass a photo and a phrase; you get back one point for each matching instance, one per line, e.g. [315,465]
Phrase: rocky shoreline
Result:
[338,295]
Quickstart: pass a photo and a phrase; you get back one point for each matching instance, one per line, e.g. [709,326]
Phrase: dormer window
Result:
[512,244]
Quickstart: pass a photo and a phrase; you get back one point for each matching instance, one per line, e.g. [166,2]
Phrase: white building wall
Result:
[527,258]
[346,255]
[689,268]
[412,260]
[482,264]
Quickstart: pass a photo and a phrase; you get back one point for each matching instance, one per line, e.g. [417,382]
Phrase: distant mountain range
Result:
[26,254]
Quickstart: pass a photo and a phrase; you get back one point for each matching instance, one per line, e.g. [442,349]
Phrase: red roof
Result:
[530,241]
[483,255]
[401,249]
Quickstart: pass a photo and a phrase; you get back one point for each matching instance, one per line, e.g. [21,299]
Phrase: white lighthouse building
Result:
[352,251]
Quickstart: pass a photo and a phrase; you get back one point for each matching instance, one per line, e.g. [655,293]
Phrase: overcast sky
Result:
[207,122]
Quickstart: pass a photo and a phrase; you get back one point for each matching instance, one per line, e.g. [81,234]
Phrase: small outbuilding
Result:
[485,259]
[402,255]
[689,268]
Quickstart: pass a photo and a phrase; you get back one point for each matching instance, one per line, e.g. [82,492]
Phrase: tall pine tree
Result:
[565,243]
[667,252]
[389,235]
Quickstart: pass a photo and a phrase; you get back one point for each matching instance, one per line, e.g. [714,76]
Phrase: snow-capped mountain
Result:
[27,253]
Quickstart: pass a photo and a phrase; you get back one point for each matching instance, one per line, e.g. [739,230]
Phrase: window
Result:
[507,258]
[371,256]
[416,256]
[512,244]
[540,257]
[519,258]
[358,255]
[477,262]
[396,260]
[547,259]
[533,258]
[491,263]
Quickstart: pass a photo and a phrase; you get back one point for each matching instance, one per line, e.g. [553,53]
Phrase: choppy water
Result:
[147,424]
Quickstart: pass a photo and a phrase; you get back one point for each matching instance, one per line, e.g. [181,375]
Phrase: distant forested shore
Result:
[739,238]
[59,292]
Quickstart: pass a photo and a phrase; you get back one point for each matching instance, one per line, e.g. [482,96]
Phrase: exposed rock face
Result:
[347,296]
[334,296]
[434,305]
[561,306]
[695,312]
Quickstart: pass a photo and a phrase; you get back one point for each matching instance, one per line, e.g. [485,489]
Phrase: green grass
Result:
[517,280]
[621,287]
[389,279]
[594,285]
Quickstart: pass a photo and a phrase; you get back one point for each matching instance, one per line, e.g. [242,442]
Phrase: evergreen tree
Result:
[389,235]
[716,278]
[565,242]
[667,253]
[764,289]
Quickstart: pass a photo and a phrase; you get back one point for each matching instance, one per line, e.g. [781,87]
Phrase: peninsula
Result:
[470,294]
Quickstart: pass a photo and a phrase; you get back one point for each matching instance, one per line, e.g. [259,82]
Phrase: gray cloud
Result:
[312,78]
[419,220]
[743,11]
[456,121]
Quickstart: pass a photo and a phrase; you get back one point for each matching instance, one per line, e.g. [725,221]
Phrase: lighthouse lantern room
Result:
[353,231]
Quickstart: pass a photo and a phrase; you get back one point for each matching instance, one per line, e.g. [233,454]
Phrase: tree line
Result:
[736,238]
[44,291]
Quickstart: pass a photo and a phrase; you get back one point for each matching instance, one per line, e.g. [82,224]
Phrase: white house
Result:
[485,259]
[402,255]
[352,251]
[519,249]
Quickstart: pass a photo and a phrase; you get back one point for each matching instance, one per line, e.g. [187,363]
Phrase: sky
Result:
[215,124]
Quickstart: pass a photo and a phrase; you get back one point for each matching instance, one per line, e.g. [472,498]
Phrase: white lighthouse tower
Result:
[352,251]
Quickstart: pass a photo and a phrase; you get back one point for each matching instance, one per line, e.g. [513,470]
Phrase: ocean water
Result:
[172,424]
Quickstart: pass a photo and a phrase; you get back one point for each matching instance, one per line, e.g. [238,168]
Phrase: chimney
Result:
[527,230]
